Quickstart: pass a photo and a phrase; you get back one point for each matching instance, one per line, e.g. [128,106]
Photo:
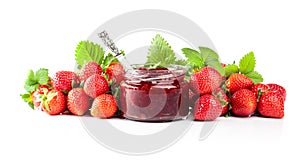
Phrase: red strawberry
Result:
[95,85]
[115,71]
[243,102]
[88,70]
[54,102]
[207,107]
[278,88]
[205,81]
[271,104]
[238,81]
[223,65]
[62,81]
[223,98]
[36,95]
[78,101]
[104,106]
[259,89]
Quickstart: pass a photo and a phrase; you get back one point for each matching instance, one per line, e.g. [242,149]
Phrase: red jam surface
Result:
[155,94]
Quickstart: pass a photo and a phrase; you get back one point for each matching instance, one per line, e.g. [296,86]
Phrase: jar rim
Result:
[172,71]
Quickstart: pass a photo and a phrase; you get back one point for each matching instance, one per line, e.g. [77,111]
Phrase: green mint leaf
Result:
[31,88]
[247,63]
[33,80]
[30,80]
[208,54]
[230,69]
[211,58]
[42,76]
[88,51]
[255,77]
[193,58]
[181,62]
[28,99]
[216,65]
[108,60]
[160,52]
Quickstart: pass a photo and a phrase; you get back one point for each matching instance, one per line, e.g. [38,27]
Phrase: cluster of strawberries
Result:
[77,93]
[212,96]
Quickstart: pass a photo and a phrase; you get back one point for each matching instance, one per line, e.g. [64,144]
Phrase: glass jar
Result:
[157,94]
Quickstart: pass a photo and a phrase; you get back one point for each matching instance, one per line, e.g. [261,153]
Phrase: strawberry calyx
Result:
[246,66]
[46,98]
[33,84]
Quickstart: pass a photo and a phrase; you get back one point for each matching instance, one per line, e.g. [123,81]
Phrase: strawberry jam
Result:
[159,94]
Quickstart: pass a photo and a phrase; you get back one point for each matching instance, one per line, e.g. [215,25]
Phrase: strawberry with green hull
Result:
[223,98]
[88,70]
[104,106]
[243,103]
[271,104]
[95,85]
[115,71]
[54,102]
[207,107]
[259,89]
[37,95]
[78,102]
[62,81]
[36,84]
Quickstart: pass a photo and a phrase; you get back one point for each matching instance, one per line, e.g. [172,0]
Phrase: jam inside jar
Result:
[155,94]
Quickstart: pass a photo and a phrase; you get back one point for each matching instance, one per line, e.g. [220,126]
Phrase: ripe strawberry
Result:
[115,71]
[54,102]
[271,104]
[104,106]
[205,81]
[238,81]
[243,102]
[259,89]
[36,95]
[278,88]
[78,102]
[207,107]
[95,85]
[223,98]
[88,70]
[62,81]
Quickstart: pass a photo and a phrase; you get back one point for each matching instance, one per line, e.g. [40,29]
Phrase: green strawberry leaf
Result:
[216,65]
[31,88]
[160,52]
[247,63]
[42,76]
[33,80]
[211,58]
[108,60]
[193,57]
[28,99]
[88,51]
[230,69]
[181,62]
[208,54]
[255,77]
[203,57]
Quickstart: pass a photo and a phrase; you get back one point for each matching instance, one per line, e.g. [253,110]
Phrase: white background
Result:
[37,34]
